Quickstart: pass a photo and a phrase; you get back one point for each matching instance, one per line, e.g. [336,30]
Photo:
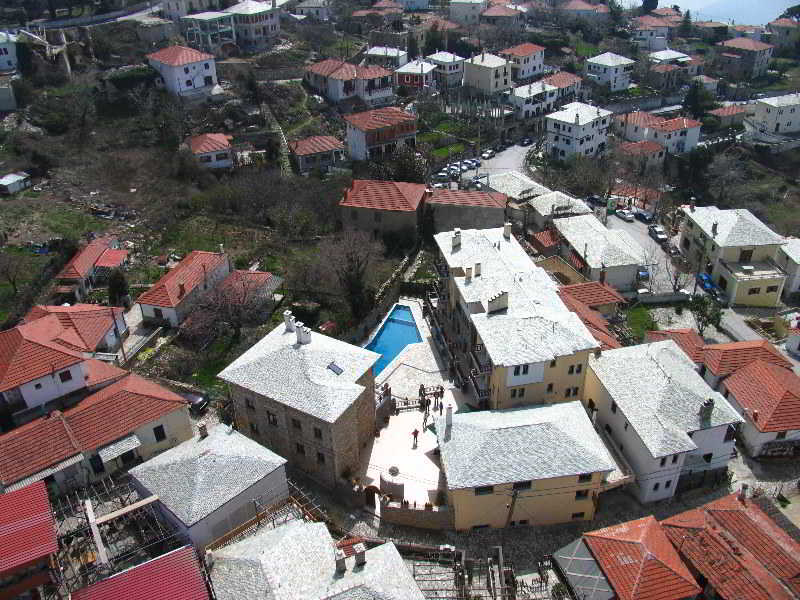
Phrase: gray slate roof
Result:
[197,477]
[601,246]
[514,184]
[297,375]
[792,249]
[536,326]
[735,226]
[609,59]
[562,202]
[296,561]
[521,444]
[658,390]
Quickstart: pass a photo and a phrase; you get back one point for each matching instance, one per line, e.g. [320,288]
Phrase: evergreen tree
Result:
[117,287]
[649,6]
[686,25]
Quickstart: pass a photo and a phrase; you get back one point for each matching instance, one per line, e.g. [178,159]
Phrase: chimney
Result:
[448,416]
[706,408]
[306,335]
[498,302]
[477,269]
[341,566]
[755,416]
[298,328]
[181,290]
[507,230]
[456,239]
[202,429]
[274,4]
[288,320]
[468,274]
[691,203]
[222,248]
[360,551]
[577,119]
[603,274]
[743,492]
[714,229]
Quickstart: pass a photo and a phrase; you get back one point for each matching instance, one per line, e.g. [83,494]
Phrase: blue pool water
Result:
[396,333]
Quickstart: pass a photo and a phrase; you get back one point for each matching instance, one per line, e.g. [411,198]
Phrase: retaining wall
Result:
[438,517]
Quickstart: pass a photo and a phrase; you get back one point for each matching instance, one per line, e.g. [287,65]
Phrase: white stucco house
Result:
[526,61]
[610,69]
[374,134]
[532,100]
[577,129]
[780,114]
[467,12]
[660,414]
[14,182]
[8,52]
[213,482]
[789,260]
[212,150]
[170,299]
[767,397]
[256,23]
[449,68]
[185,72]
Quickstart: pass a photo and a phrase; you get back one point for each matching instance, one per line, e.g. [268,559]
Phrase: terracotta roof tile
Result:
[240,287]
[724,359]
[177,56]
[640,118]
[784,23]
[664,68]
[345,71]
[640,563]
[81,264]
[498,10]
[175,575]
[647,21]
[387,4]
[769,393]
[466,198]
[315,144]
[384,195]
[99,372]
[677,124]
[629,190]
[740,551]
[440,24]
[543,240]
[744,43]
[593,293]
[379,118]
[111,258]
[209,142]
[178,282]
[584,6]
[27,527]
[727,111]
[594,321]
[381,12]
[522,50]
[562,79]
[641,148]
[687,339]
[28,352]
[89,322]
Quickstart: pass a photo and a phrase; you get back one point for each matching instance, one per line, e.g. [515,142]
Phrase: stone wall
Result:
[439,517]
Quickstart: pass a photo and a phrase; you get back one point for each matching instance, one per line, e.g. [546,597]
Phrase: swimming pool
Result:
[398,331]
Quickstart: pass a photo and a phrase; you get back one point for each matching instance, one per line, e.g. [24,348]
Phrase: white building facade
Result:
[610,69]
[184,71]
[8,52]
[780,114]
[577,129]
[533,100]
[487,73]
[256,23]
[449,68]
[467,12]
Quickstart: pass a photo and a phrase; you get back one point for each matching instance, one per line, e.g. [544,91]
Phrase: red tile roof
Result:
[99,419]
[241,287]
[639,562]
[384,195]
[209,142]
[641,148]
[27,527]
[594,321]
[99,372]
[89,322]
[177,283]
[784,22]
[770,394]
[562,79]
[647,21]
[629,190]
[440,24]
[581,5]
[81,264]
[640,118]
[724,359]
[498,10]
[381,12]
[315,144]
[387,4]
[522,50]
[677,124]
[593,293]
[545,239]
[111,258]
[28,352]
[177,56]
[687,339]
[744,43]
[666,11]
[466,198]
[740,551]
[664,68]
[727,111]
[175,576]
[379,118]
[345,71]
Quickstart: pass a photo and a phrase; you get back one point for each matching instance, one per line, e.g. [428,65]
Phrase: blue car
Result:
[704,280]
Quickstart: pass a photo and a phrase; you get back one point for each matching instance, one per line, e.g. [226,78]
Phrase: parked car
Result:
[704,281]
[488,154]
[595,200]
[658,233]
[526,141]
[644,216]
[499,147]
[624,214]
[672,250]
[476,161]
[643,274]
[197,402]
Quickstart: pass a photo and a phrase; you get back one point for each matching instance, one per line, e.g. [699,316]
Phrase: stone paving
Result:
[667,318]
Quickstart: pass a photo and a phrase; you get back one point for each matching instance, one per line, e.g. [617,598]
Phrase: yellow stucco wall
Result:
[547,502]
[763,298]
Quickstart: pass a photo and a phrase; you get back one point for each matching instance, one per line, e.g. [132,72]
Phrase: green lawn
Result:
[66,221]
[8,299]
[198,233]
[585,50]
[452,150]
[640,321]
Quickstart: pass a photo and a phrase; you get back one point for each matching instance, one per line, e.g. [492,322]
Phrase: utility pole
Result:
[514,495]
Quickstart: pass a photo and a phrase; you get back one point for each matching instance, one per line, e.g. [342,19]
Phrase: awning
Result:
[582,572]
[45,473]
[118,448]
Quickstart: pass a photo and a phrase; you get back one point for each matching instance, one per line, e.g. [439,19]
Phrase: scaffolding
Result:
[105,528]
[448,574]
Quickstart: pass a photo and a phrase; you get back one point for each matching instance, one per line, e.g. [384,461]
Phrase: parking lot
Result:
[510,159]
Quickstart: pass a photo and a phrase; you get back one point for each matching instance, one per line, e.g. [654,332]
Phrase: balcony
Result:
[754,271]
[479,386]
[480,361]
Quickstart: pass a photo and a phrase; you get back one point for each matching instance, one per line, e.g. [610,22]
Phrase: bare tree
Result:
[650,260]
[13,268]
[678,278]
[350,257]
